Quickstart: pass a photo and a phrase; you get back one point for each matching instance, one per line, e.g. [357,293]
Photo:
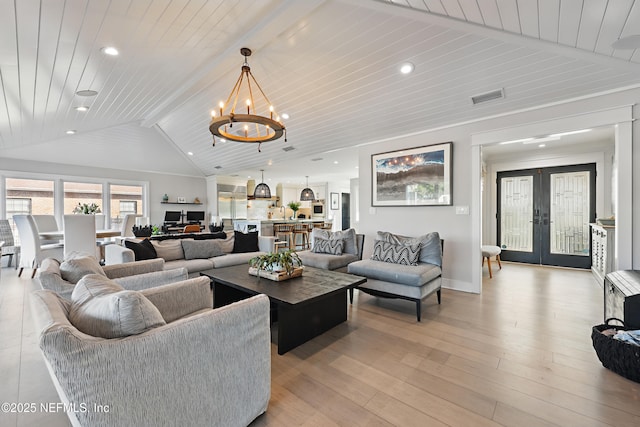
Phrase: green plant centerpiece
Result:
[87,209]
[276,261]
[294,206]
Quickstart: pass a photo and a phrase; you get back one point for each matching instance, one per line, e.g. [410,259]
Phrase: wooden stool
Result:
[487,252]
[303,231]
[284,231]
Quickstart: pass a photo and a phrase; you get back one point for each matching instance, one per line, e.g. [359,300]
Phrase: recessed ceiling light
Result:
[190,153]
[335,162]
[542,145]
[285,116]
[86,92]
[110,50]
[629,42]
[406,68]
[222,140]
[82,108]
[71,132]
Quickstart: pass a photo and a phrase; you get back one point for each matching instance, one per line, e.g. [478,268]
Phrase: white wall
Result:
[173,185]
[461,264]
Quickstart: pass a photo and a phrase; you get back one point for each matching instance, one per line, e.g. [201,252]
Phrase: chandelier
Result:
[231,123]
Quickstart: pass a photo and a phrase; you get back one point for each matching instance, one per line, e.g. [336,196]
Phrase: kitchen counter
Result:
[265,226]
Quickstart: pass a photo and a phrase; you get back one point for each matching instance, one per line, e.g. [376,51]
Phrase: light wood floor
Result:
[520,354]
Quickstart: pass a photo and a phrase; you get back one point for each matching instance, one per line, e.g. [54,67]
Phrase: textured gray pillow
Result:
[74,269]
[349,237]
[169,250]
[396,253]
[430,246]
[328,246]
[194,249]
[102,308]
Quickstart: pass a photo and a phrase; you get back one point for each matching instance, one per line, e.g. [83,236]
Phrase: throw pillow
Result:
[102,308]
[245,242]
[74,269]
[141,250]
[169,250]
[395,253]
[194,249]
[227,243]
[328,246]
[349,237]
[430,246]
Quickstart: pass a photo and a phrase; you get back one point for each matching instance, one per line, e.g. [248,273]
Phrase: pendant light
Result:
[306,195]
[262,190]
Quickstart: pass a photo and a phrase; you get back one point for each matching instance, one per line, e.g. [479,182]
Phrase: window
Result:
[17,206]
[81,192]
[125,199]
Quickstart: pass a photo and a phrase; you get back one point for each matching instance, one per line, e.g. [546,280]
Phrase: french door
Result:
[544,215]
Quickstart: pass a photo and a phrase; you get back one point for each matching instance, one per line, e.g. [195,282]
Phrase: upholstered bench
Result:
[389,275]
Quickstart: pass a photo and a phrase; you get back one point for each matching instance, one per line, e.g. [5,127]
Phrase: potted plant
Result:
[294,206]
[276,261]
[87,209]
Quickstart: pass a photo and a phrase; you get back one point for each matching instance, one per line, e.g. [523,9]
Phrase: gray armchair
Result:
[203,367]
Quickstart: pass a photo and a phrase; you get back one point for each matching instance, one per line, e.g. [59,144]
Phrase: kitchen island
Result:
[265,226]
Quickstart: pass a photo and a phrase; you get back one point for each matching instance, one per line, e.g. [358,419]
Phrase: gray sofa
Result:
[328,261]
[174,256]
[201,366]
[388,274]
[131,275]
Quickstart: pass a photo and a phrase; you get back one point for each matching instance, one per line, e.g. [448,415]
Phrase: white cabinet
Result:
[602,251]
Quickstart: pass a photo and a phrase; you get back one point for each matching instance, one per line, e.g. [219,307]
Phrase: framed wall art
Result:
[335,201]
[418,176]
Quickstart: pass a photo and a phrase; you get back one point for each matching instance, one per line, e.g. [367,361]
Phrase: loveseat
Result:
[162,356]
[333,250]
[62,276]
[402,267]
[194,255]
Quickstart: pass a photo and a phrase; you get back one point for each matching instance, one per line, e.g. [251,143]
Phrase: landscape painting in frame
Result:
[413,177]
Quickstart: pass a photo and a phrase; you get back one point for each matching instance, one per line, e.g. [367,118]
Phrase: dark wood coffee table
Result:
[305,306]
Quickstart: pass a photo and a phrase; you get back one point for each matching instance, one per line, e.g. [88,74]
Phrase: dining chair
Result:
[46,223]
[100,221]
[80,235]
[191,228]
[32,252]
[128,222]
[9,249]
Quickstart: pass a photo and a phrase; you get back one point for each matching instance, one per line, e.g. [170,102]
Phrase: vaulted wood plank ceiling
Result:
[331,65]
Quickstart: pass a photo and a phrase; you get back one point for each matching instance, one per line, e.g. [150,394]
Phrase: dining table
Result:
[59,234]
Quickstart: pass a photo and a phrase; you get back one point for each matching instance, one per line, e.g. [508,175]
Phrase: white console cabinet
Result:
[602,251]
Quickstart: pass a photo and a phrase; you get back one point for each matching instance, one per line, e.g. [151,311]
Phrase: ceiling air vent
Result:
[317,159]
[489,96]
[289,148]
[218,167]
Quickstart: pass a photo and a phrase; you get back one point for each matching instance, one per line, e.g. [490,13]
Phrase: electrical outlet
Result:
[462,210]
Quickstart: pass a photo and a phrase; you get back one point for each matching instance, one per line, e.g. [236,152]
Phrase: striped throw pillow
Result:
[396,253]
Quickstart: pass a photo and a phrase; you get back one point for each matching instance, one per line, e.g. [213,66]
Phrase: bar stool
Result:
[283,231]
[327,226]
[303,231]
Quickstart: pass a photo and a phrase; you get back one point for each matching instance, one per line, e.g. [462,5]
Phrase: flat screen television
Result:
[172,216]
[195,216]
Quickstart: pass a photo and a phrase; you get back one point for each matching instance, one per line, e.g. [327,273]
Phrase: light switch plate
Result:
[462,210]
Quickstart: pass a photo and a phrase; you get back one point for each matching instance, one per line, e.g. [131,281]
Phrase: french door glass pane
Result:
[516,213]
[569,213]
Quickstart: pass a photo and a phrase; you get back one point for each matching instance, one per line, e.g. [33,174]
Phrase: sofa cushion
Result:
[396,253]
[206,236]
[411,275]
[192,265]
[430,246]
[102,308]
[245,242]
[349,237]
[201,249]
[169,250]
[234,259]
[74,269]
[142,250]
[326,261]
[328,246]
